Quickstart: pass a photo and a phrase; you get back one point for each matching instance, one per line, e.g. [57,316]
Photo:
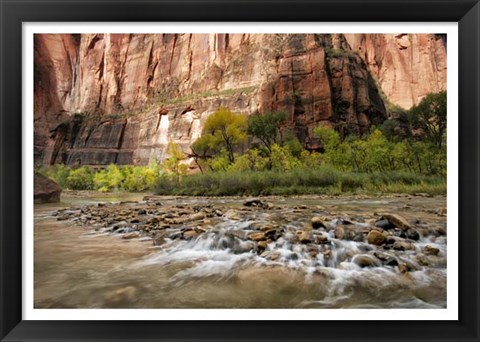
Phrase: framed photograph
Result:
[242,170]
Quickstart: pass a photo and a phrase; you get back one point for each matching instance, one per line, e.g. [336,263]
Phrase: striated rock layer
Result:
[120,98]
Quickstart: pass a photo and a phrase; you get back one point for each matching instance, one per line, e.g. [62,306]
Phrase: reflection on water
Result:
[82,267]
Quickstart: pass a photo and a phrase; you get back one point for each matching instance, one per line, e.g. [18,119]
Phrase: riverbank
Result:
[304,251]
[319,180]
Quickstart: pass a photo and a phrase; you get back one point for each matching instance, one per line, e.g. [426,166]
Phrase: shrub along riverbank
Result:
[322,180]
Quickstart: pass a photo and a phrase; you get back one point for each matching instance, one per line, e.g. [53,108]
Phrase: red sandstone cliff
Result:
[134,93]
[407,66]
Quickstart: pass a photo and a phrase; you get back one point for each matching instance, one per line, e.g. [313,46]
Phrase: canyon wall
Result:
[120,98]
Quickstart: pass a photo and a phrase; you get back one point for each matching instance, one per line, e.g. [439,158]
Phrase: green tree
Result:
[228,130]
[328,136]
[265,127]
[431,116]
[174,163]
[205,148]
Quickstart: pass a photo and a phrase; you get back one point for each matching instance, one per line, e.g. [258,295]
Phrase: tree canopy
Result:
[223,130]
[265,127]
[431,116]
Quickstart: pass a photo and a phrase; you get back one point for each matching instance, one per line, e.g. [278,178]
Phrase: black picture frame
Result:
[14,12]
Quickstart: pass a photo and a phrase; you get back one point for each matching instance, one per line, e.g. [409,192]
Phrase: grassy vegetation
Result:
[301,180]
[324,180]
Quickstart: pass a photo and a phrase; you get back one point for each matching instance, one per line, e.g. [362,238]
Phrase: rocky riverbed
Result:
[305,252]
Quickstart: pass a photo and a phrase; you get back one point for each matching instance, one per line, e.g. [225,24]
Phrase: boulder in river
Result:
[256,202]
[397,220]
[317,222]
[345,232]
[45,189]
[375,237]
[384,224]
[403,246]
[412,234]
[304,236]
[431,250]
[257,236]
[365,260]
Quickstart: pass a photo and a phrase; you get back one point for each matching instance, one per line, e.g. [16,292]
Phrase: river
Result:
[203,253]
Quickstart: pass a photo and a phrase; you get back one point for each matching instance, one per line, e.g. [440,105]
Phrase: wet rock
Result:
[442,231]
[422,231]
[257,236]
[342,221]
[321,239]
[397,220]
[346,233]
[232,214]
[412,234]
[190,234]
[327,254]
[243,247]
[122,224]
[386,259]
[123,230]
[317,222]
[153,220]
[403,268]
[218,212]
[313,251]
[253,202]
[261,246]
[384,224]
[392,261]
[273,233]
[304,236]
[197,216]
[271,255]
[200,230]
[141,212]
[422,259]
[375,238]
[175,234]
[366,260]
[240,234]
[431,250]
[263,226]
[364,248]
[381,256]
[403,246]
[339,233]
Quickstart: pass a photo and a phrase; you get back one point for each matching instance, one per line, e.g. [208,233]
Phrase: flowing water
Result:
[80,264]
